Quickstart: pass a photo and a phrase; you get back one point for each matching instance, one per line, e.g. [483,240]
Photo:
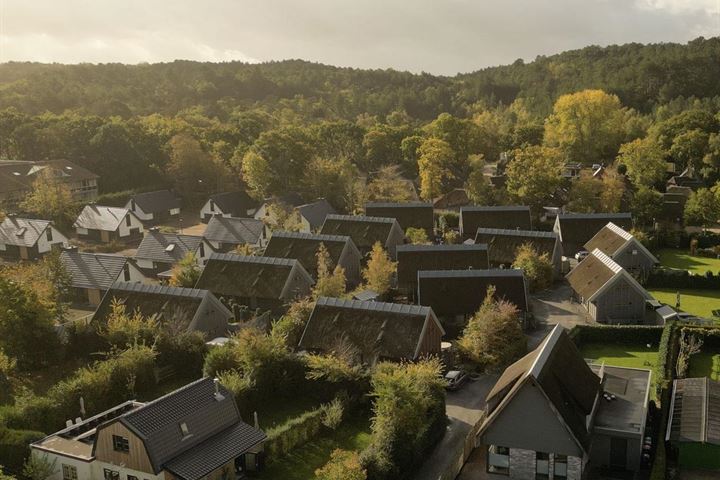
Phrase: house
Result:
[378,330]
[624,249]
[92,274]
[409,215]
[551,415]
[576,229]
[312,215]
[693,428]
[192,433]
[507,217]
[159,252]
[414,258]
[27,238]
[18,176]
[503,245]
[267,283]
[107,224]
[153,207]
[686,178]
[226,234]
[452,200]
[304,247]
[287,202]
[229,204]
[455,295]
[572,170]
[608,292]
[187,309]
[366,231]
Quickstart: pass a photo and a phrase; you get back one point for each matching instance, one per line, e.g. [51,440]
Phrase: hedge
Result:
[14,446]
[617,334]
[681,239]
[672,278]
[293,433]
[666,357]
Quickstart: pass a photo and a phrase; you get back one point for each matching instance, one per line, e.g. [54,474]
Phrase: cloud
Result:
[447,36]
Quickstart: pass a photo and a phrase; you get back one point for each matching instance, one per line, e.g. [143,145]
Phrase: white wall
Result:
[138,211]
[58,238]
[124,230]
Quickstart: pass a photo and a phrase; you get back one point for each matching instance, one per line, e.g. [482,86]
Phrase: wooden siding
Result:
[136,459]
[431,341]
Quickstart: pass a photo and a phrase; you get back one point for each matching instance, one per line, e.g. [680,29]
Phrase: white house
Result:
[106,224]
[28,239]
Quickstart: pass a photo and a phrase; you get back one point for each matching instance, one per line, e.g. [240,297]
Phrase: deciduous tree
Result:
[645,161]
[435,165]
[379,272]
[330,281]
[534,175]
[538,269]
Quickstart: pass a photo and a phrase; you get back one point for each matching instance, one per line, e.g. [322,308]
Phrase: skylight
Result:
[170,247]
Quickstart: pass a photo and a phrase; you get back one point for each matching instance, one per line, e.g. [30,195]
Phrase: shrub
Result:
[681,279]
[343,465]
[379,271]
[186,273]
[290,326]
[14,447]
[417,236]
[185,352]
[296,431]
[618,334]
[451,237]
[538,269]
[333,413]
[448,220]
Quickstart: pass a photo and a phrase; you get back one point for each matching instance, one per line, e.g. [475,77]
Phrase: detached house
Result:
[28,239]
[193,433]
[504,243]
[608,292]
[187,309]
[159,252]
[18,176]
[312,215]
[229,204]
[624,249]
[505,217]
[106,224]
[409,215]
[379,331]
[267,283]
[152,207]
[414,258]
[576,229]
[366,231]
[226,234]
[92,274]
[304,247]
[455,295]
[551,415]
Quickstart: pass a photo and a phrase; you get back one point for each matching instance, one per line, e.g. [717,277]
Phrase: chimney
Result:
[257,424]
[218,396]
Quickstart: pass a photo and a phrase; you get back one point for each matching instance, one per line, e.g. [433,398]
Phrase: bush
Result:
[681,279]
[343,465]
[293,433]
[14,446]
[333,413]
[82,340]
[617,334]
[666,357]
[417,236]
[448,220]
[115,199]
[185,352]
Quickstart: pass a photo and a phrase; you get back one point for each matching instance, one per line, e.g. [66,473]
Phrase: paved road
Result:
[464,408]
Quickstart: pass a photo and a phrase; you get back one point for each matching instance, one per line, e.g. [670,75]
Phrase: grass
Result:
[41,380]
[353,434]
[633,356]
[682,260]
[697,302]
[705,364]
[277,413]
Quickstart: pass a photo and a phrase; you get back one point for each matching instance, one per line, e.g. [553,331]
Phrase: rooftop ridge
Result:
[472,272]
[517,233]
[359,218]
[159,289]
[501,208]
[399,204]
[311,236]
[440,248]
[397,308]
[580,216]
[619,231]
[607,261]
[232,257]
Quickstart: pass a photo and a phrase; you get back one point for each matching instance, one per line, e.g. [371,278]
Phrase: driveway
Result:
[464,408]
[553,307]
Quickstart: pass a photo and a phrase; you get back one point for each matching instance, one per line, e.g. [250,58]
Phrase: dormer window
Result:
[184,429]
[120,444]
[128,220]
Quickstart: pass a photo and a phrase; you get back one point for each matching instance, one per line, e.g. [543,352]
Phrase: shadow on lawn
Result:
[684,261]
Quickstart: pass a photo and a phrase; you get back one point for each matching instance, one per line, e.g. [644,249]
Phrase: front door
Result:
[618,453]
[24,253]
[105,236]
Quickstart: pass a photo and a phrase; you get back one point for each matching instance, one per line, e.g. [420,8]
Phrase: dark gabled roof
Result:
[97,217]
[209,418]
[576,229]
[461,292]
[234,230]
[315,212]
[236,203]
[611,239]
[18,175]
[92,270]
[167,247]
[695,413]
[304,247]
[413,258]
[410,214]
[558,368]
[508,217]
[364,231]
[377,329]
[164,302]
[503,243]
[590,275]
[247,276]
[156,202]
[23,232]
[453,199]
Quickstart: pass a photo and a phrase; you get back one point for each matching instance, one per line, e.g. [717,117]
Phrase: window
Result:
[560,466]
[542,465]
[128,220]
[49,234]
[184,429]
[126,272]
[111,474]
[132,205]
[498,460]
[120,444]
[69,472]
[202,250]
[132,477]
[212,206]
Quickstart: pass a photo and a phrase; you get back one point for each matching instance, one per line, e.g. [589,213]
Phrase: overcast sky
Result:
[437,36]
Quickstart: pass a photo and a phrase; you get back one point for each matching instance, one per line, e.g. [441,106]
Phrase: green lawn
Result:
[634,356]
[697,302]
[681,259]
[705,365]
[354,434]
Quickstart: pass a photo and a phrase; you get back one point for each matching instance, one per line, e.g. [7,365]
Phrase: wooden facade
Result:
[135,459]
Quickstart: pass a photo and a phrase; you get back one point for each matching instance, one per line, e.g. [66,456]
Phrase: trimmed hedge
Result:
[617,334]
[672,278]
[666,357]
[293,433]
[681,239]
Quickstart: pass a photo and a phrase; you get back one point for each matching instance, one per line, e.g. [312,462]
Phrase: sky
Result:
[435,36]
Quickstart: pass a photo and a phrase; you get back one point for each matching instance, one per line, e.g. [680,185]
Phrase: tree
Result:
[463,137]
[50,198]
[331,179]
[644,160]
[193,171]
[7,371]
[584,196]
[186,273]
[417,236]
[291,325]
[125,329]
[282,216]
[613,191]
[538,269]
[39,467]
[587,126]
[646,205]
[702,208]
[387,185]
[343,465]
[689,148]
[330,282]
[379,272]
[493,337]
[478,186]
[435,164]
[534,175]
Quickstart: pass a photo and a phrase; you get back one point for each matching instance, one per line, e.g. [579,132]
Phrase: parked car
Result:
[455,379]
[581,255]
